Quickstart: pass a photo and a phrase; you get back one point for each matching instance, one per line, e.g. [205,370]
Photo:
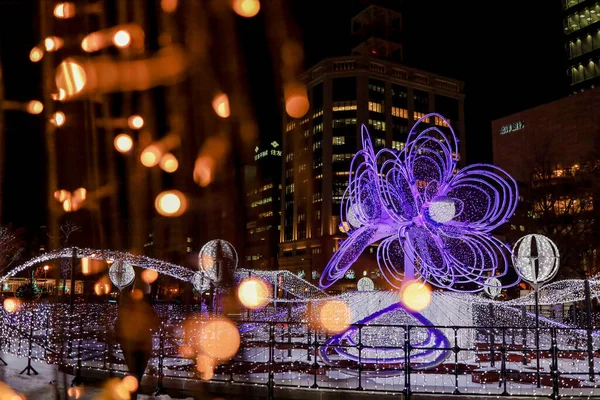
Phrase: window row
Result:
[289,189]
[342,157]
[571,3]
[582,18]
[584,45]
[376,107]
[344,105]
[318,128]
[339,140]
[585,71]
[399,112]
[397,145]
[318,112]
[340,123]
[290,126]
[260,202]
[376,88]
[265,214]
[317,145]
[378,125]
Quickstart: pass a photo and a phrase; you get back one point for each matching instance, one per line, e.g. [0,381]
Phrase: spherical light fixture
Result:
[365,284]
[218,260]
[493,287]
[121,274]
[442,209]
[536,259]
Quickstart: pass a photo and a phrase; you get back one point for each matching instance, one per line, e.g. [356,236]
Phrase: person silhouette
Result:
[136,320]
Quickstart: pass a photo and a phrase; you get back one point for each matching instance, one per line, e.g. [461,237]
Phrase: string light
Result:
[123,143]
[121,274]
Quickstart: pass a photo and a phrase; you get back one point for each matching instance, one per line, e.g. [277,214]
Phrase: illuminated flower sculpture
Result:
[432,221]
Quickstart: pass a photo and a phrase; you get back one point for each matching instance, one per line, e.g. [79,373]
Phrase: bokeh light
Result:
[93,42]
[168,6]
[123,143]
[60,96]
[122,38]
[203,170]
[296,99]
[80,194]
[219,339]
[137,294]
[53,43]
[170,203]
[34,107]
[169,163]
[253,293]
[246,8]
[415,295]
[36,54]
[221,105]
[130,383]
[70,77]
[103,286]
[150,156]
[12,305]
[135,122]
[67,205]
[149,276]
[64,10]
[75,392]
[62,195]
[58,119]
[335,316]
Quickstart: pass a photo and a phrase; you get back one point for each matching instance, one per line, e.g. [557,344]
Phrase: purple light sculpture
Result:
[432,220]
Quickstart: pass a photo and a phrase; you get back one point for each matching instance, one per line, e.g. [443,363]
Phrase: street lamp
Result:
[46,268]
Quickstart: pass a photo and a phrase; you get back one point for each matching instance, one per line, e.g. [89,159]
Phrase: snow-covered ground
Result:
[45,385]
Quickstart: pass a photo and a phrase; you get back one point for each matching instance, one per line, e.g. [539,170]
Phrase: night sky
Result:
[510,55]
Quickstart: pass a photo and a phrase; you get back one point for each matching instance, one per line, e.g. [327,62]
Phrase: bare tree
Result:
[66,230]
[11,248]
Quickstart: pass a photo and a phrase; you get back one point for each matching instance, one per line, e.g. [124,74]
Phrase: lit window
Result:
[376,107]
[418,115]
[318,112]
[339,140]
[344,105]
[379,125]
[396,145]
[290,126]
[318,128]
[399,112]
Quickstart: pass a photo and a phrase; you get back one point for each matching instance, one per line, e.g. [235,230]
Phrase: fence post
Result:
[161,354]
[360,366]
[315,365]
[524,334]
[77,380]
[271,379]
[456,349]
[492,337]
[554,364]
[503,361]
[29,368]
[407,392]
[588,314]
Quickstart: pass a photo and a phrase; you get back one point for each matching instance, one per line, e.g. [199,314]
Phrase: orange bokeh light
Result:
[70,77]
[149,276]
[135,122]
[415,295]
[203,170]
[246,8]
[150,156]
[58,119]
[75,392]
[103,286]
[122,38]
[296,99]
[12,305]
[170,203]
[253,293]
[219,339]
[335,316]
[168,6]
[137,294]
[221,105]
[53,43]
[169,163]
[206,366]
[64,10]
[123,143]
[130,383]
[36,54]
[34,107]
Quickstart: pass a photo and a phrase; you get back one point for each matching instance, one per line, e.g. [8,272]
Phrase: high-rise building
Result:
[263,209]
[582,36]
[345,93]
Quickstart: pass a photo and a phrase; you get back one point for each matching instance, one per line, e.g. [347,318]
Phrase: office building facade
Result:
[582,35]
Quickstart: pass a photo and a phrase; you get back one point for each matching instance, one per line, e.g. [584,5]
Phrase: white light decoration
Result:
[493,287]
[536,269]
[365,284]
[201,282]
[121,274]
[315,275]
[442,209]
[352,214]
[301,274]
[218,260]
[350,274]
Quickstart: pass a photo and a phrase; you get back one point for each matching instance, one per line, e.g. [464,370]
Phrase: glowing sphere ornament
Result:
[353,216]
[442,209]
[121,274]
[218,260]
[201,282]
[493,287]
[365,284]
[536,259]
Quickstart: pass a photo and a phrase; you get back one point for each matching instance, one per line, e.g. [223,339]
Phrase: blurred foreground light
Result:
[85,266]
[206,366]
[93,42]
[70,77]
[135,122]
[169,163]
[64,10]
[253,293]
[137,294]
[296,99]
[6,393]
[151,156]
[170,203]
[62,195]
[415,295]
[123,143]
[80,194]
[60,96]
[36,54]
[246,8]
[168,6]
[292,53]
[149,276]
[75,392]
[122,38]
[203,170]
[46,267]
[58,119]
[53,43]
[335,316]
[34,107]
[67,205]
[130,383]
[12,304]
[221,105]
[103,286]
[219,339]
